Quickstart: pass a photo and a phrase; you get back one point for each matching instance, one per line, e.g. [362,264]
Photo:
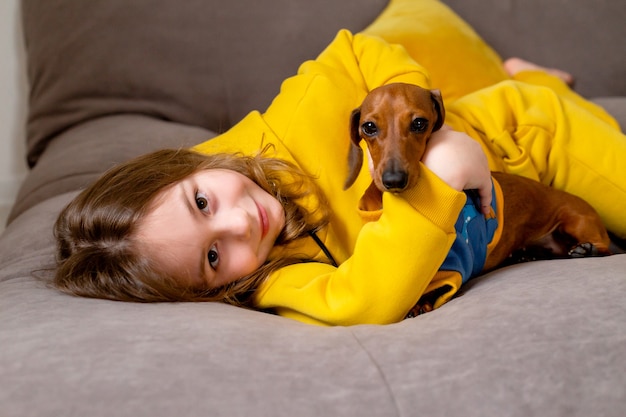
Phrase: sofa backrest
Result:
[208,62]
[198,62]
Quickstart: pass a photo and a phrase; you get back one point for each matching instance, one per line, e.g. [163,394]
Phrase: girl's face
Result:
[212,228]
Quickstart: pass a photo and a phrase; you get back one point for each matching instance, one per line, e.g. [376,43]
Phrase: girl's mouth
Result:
[264,221]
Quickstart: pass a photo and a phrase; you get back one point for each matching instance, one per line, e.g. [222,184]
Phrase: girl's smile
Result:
[212,227]
[263,219]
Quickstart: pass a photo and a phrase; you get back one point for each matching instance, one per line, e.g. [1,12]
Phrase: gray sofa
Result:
[112,79]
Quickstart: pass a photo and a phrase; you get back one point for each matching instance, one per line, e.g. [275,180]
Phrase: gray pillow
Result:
[202,63]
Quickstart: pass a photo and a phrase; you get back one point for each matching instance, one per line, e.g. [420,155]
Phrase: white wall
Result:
[13,96]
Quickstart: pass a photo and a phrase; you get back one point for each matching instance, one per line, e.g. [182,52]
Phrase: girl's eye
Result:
[214,257]
[202,202]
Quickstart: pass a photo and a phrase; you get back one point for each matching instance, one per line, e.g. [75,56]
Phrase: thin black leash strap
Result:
[323,248]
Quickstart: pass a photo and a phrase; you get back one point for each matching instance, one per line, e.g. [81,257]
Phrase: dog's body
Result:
[396,122]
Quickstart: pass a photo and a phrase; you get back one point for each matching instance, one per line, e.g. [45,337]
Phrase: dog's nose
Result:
[395,180]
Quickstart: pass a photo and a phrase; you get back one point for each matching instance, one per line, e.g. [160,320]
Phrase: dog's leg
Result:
[583,225]
[544,223]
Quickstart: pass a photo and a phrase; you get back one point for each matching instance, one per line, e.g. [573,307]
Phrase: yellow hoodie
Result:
[384,265]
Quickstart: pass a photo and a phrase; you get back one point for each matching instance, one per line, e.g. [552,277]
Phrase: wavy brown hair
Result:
[99,256]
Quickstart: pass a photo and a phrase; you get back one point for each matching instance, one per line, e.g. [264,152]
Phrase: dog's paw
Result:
[583,250]
[418,310]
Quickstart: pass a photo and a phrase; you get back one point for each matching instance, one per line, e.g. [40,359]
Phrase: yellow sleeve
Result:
[383,63]
[367,60]
[394,261]
[458,59]
[542,78]
[309,119]
[330,87]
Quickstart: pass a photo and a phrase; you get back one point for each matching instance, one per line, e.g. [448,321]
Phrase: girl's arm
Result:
[396,256]
[393,261]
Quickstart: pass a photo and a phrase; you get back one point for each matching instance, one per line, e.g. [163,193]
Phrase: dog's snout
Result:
[395,180]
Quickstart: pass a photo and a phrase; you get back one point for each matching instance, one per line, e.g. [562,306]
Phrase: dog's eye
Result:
[369,128]
[419,124]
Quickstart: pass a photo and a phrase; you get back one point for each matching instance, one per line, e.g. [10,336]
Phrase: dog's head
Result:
[396,121]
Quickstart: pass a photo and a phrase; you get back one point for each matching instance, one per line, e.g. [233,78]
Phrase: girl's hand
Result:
[460,162]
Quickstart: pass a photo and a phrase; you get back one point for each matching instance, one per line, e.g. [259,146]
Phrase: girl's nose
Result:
[235,223]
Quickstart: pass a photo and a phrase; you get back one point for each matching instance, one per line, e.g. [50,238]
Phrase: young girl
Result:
[257,216]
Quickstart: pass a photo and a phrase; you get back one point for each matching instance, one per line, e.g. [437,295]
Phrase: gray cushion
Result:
[583,37]
[79,155]
[200,63]
[544,338]
[209,63]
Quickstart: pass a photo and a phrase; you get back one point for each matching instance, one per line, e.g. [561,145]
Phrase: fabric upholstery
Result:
[581,37]
[542,338]
[198,64]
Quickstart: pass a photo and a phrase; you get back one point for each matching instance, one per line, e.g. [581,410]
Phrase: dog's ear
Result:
[355,156]
[441,111]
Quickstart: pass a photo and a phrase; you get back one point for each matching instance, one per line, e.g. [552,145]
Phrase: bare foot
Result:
[514,65]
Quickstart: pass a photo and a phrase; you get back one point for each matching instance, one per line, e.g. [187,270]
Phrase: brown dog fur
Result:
[396,122]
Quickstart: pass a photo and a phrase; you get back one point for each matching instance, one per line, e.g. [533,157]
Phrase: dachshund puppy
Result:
[396,121]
